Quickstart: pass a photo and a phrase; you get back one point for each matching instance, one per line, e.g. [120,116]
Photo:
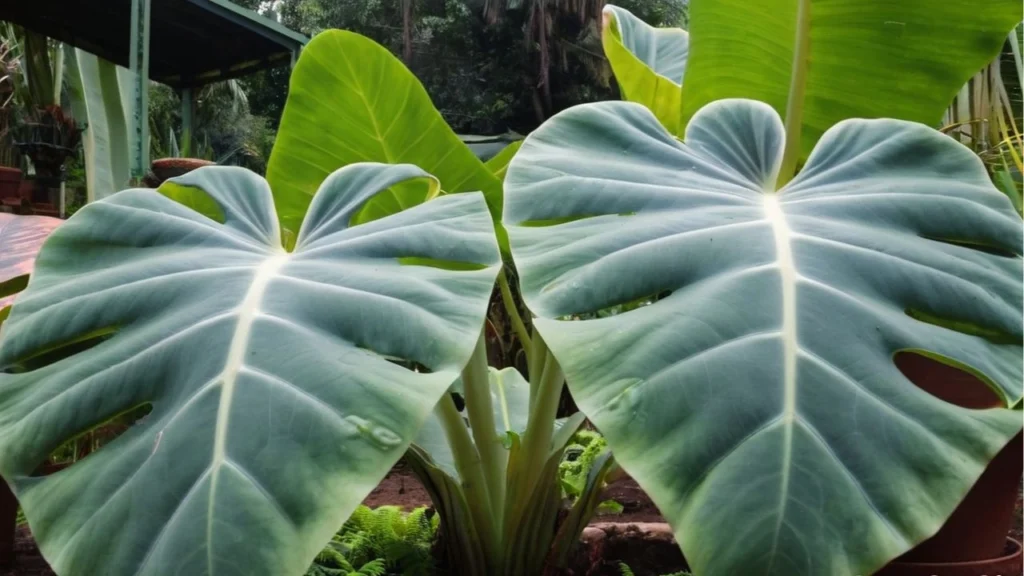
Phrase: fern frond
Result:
[372,568]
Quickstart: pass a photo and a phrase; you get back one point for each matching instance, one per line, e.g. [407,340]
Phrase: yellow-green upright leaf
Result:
[902,59]
[351,100]
[499,164]
[648,62]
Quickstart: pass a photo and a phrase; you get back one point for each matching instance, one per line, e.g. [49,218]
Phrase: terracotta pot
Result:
[166,168]
[976,531]
[1007,564]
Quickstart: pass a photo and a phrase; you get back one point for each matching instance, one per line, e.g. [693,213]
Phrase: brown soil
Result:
[28,562]
[399,488]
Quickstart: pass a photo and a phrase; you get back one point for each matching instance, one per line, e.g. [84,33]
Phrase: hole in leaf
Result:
[460,402]
[990,334]
[979,246]
[14,285]
[948,380]
[411,365]
[455,265]
[565,220]
[95,437]
[621,308]
[194,198]
[59,351]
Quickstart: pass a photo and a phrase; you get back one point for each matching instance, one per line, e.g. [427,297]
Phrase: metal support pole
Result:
[186,121]
[139,65]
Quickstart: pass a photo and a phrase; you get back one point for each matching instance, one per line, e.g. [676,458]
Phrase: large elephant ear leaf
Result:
[648,62]
[21,237]
[276,405]
[351,100]
[903,59]
[758,389]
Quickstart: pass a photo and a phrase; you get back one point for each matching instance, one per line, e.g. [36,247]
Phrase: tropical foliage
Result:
[724,269]
[603,201]
[381,541]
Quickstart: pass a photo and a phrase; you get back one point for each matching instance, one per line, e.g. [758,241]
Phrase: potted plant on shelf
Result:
[49,139]
[10,172]
[43,132]
[721,275]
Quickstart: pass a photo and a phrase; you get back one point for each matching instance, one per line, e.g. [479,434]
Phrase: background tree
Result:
[490,66]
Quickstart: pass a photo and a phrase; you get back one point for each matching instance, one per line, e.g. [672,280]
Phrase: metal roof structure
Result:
[191,42]
[181,43]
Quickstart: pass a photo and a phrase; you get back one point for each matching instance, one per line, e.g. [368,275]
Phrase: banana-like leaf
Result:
[275,409]
[21,237]
[648,62]
[757,400]
[861,59]
[351,100]
[96,88]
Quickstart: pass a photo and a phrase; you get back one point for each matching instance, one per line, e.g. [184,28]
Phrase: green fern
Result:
[372,568]
[578,460]
[583,448]
[384,542]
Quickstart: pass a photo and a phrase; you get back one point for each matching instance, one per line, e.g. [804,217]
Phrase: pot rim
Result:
[1016,553]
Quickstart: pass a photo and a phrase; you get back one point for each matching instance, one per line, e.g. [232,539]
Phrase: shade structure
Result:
[191,42]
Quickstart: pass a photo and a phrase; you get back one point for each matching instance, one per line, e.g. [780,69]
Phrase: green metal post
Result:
[186,121]
[139,65]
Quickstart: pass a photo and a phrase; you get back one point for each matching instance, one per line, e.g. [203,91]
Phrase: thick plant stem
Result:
[513,312]
[797,89]
[544,408]
[477,387]
[536,356]
[467,463]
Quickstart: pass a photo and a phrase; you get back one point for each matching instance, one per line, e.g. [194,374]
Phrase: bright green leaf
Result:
[902,59]
[648,62]
[274,407]
[351,100]
[760,390]
[498,165]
